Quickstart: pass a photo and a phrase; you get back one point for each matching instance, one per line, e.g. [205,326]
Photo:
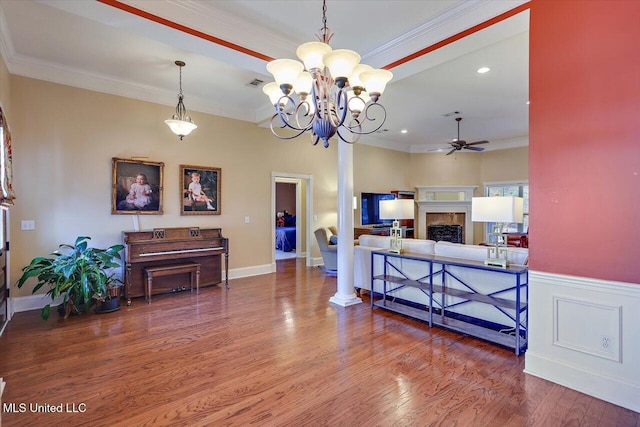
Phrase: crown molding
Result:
[69,76]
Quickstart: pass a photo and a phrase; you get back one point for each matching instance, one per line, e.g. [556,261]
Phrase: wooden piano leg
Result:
[198,280]
[226,269]
[128,283]
[149,281]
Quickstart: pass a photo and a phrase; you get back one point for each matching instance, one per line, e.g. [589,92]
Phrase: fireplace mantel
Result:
[438,199]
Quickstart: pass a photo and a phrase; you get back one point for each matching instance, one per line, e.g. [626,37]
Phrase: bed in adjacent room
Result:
[286,238]
[286,232]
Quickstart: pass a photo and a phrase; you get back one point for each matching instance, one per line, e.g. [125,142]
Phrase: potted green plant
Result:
[77,272]
[110,300]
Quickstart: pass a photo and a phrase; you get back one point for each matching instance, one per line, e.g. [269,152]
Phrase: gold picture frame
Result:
[136,187]
[200,190]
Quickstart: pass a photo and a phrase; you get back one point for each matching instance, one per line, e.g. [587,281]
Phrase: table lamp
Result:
[501,211]
[396,209]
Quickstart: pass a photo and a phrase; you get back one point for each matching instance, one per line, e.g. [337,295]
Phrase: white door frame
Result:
[296,179]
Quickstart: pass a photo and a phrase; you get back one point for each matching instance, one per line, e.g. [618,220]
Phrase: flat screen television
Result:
[370,208]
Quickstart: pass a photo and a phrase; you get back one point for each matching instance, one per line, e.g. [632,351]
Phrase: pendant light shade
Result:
[180,123]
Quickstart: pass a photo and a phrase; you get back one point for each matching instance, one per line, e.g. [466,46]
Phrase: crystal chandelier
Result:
[335,93]
[180,123]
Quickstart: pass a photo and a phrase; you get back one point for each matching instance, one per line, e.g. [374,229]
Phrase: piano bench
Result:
[193,268]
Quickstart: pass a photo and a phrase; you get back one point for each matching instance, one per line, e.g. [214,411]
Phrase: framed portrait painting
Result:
[200,190]
[137,187]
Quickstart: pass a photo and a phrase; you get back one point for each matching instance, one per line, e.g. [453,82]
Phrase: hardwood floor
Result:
[272,351]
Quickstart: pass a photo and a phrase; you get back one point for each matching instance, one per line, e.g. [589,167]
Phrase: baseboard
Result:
[584,334]
[36,302]
[613,390]
[255,270]
[32,302]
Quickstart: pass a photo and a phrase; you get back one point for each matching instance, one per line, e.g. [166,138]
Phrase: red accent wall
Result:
[584,139]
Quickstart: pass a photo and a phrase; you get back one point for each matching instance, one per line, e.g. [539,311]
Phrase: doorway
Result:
[297,236]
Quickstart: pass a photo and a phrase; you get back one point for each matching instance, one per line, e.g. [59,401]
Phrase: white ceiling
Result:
[96,46]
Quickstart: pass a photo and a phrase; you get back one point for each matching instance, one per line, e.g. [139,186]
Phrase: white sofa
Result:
[481,280]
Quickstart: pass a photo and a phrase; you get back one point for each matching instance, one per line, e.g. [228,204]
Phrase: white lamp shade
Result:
[497,209]
[285,71]
[272,90]
[376,80]
[341,62]
[396,209]
[303,83]
[355,79]
[312,53]
[180,127]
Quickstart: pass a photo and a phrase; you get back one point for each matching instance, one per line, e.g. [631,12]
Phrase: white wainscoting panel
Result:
[570,316]
[584,334]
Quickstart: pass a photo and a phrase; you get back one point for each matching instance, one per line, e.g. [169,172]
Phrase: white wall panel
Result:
[585,334]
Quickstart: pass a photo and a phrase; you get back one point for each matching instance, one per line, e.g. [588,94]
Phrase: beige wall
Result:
[470,169]
[378,170]
[64,139]
[285,197]
[505,165]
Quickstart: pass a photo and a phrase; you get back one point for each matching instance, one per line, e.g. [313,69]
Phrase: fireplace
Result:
[447,232]
[445,205]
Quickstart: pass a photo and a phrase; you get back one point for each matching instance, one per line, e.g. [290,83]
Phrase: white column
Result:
[345,294]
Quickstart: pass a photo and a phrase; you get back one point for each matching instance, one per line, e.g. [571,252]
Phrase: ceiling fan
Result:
[459,144]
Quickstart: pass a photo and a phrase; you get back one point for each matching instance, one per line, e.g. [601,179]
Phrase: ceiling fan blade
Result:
[478,142]
[452,150]
[474,148]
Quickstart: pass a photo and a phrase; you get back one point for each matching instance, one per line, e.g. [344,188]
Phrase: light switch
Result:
[247,220]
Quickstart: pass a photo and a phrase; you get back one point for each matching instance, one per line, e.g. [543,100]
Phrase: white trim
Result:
[33,302]
[255,270]
[594,306]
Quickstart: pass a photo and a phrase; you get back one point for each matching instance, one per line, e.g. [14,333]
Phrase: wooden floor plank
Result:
[272,351]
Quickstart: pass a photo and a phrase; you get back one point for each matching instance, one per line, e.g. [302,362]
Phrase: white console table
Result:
[445,290]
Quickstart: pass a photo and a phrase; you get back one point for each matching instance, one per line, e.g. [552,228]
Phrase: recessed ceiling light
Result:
[528,102]
[403,131]
[483,70]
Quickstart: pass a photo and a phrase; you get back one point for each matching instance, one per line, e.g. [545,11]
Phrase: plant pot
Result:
[108,306]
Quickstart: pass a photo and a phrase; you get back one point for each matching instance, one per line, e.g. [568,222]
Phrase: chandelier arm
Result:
[314,138]
[283,114]
[341,107]
[309,117]
[273,129]
[357,134]
[369,119]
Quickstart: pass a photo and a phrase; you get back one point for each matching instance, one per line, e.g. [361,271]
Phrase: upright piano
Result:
[163,246]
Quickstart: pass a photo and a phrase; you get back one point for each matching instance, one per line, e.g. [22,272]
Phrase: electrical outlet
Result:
[606,343]
[28,225]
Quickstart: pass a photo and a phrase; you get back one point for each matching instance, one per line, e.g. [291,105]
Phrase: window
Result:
[515,189]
